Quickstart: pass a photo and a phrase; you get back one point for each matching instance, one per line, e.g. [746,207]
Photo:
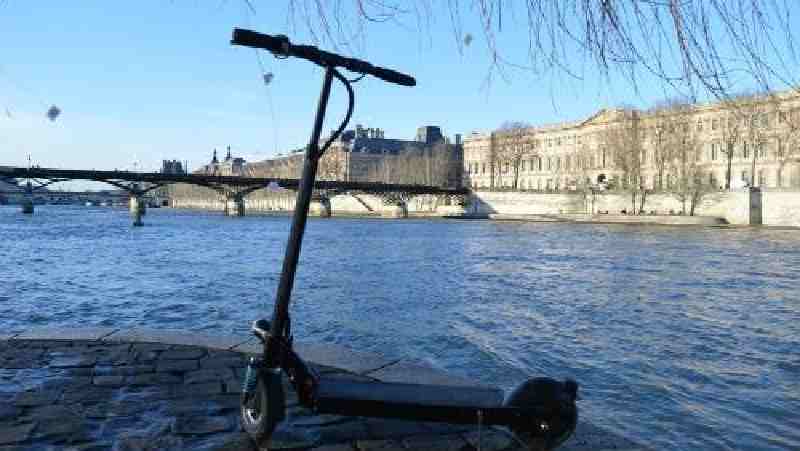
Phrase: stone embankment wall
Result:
[778,208]
[261,201]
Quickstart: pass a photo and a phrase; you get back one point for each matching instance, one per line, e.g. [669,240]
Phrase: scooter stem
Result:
[280,314]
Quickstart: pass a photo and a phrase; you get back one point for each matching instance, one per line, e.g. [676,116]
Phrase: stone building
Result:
[230,166]
[365,154]
[761,132]
[173,167]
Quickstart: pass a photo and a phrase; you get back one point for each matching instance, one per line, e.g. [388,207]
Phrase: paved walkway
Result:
[99,389]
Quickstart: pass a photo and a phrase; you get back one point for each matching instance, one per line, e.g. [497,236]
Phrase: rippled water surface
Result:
[681,338]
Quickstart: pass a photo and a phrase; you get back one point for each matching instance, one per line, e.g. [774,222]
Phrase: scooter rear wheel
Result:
[555,428]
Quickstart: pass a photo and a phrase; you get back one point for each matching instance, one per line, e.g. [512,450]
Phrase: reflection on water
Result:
[684,338]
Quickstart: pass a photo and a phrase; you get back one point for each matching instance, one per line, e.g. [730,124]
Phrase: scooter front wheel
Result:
[262,405]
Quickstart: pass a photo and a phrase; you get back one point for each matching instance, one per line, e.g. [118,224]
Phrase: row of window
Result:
[764,178]
[758,120]
[602,159]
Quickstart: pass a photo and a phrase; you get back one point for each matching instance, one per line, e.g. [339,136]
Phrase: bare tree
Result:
[624,140]
[415,165]
[665,117]
[731,132]
[332,165]
[753,112]
[515,144]
[786,130]
[688,182]
[688,44]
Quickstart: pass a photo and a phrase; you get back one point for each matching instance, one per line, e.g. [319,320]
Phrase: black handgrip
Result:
[249,38]
[280,45]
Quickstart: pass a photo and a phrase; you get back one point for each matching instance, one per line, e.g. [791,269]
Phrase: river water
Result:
[681,338]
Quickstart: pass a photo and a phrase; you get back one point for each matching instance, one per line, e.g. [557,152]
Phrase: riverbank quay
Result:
[145,389]
[666,220]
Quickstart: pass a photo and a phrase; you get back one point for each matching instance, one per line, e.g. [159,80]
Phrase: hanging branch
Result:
[689,45]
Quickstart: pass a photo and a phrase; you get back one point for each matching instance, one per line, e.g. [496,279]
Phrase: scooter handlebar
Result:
[280,45]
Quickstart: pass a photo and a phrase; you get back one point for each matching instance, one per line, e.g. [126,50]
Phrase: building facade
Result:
[364,155]
[230,166]
[758,133]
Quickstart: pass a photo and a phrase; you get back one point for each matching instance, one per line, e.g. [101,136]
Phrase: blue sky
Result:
[143,81]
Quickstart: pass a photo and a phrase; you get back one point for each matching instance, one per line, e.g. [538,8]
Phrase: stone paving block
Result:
[74,383]
[54,412]
[208,388]
[176,365]
[236,441]
[183,353]
[72,361]
[436,443]
[285,438]
[188,407]
[223,362]
[437,428]
[120,409]
[109,381]
[318,420]
[71,333]
[149,347]
[36,398]
[8,412]
[343,432]
[59,430]
[233,386]
[491,439]
[79,371]
[12,434]
[226,353]
[29,344]
[336,447]
[131,442]
[225,402]
[175,337]
[199,425]
[23,363]
[23,353]
[379,445]
[115,358]
[88,396]
[153,379]
[208,375]
[386,428]
[124,370]
[93,446]
[419,373]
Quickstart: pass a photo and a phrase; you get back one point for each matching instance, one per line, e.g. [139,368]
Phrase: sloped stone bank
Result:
[97,389]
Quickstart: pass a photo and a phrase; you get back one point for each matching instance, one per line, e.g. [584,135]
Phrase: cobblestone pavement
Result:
[98,395]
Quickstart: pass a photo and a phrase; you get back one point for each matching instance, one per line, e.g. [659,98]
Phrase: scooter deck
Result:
[414,401]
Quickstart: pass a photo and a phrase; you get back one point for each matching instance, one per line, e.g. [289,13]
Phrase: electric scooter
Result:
[541,411]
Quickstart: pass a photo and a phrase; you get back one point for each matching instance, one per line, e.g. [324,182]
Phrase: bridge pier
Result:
[395,210]
[234,205]
[27,206]
[137,208]
[320,206]
[27,202]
